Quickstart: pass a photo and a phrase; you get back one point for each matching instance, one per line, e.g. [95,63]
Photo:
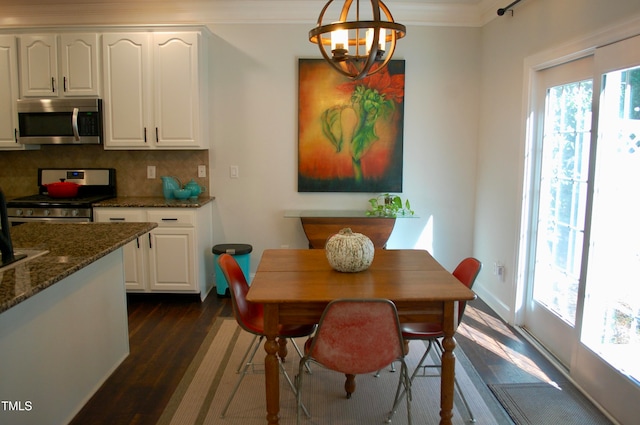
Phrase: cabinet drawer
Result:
[172,217]
[115,215]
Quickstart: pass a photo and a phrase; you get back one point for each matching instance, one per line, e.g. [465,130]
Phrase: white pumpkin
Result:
[349,252]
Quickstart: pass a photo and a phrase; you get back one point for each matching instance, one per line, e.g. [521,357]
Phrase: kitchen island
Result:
[63,318]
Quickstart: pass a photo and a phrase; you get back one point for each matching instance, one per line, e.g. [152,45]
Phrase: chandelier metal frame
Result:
[366,52]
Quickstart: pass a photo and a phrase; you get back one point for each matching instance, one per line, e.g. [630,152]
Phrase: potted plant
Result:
[387,205]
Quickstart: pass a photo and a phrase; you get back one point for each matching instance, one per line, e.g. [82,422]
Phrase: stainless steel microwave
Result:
[60,121]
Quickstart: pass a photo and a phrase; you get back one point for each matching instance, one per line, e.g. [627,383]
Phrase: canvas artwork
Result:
[350,133]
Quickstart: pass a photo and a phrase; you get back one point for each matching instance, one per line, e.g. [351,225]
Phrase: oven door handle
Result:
[74,124]
[18,220]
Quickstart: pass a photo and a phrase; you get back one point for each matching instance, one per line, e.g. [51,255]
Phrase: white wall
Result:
[537,26]
[254,119]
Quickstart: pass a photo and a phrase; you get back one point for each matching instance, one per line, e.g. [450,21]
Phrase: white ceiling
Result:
[16,13]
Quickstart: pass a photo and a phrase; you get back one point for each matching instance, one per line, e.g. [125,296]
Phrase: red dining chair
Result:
[357,336]
[250,317]
[466,272]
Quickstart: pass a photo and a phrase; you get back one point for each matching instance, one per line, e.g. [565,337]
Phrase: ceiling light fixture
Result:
[352,43]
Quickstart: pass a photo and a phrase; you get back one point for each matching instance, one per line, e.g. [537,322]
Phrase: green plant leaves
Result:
[387,205]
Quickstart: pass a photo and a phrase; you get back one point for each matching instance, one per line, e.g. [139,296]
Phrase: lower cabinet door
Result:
[172,260]
[135,262]
[135,276]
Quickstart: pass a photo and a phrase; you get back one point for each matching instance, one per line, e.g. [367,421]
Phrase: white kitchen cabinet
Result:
[172,260]
[127,91]
[135,270]
[63,65]
[173,257]
[155,94]
[8,94]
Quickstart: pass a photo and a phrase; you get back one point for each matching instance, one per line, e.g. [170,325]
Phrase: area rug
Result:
[203,391]
[547,404]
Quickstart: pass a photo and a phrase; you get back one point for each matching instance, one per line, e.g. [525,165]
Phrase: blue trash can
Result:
[240,253]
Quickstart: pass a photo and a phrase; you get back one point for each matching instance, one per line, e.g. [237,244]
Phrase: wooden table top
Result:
[301,275]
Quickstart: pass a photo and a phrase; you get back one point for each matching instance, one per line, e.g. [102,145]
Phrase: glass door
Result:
[609,341]
[611,324]
[565,98]
[583,255]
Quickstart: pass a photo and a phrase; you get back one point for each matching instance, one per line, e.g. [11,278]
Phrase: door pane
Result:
[563,192]
[611,323]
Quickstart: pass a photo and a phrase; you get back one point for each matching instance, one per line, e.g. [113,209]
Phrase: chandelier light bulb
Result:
[340,43]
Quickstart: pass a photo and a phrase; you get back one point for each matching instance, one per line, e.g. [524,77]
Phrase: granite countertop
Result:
[70,246]
[153,202]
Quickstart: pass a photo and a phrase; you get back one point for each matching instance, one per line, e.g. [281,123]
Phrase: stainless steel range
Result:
[95,184]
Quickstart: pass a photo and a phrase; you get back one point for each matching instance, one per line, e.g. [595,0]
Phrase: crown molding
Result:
[22,13]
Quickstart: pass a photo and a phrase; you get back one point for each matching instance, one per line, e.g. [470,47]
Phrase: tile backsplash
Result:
[19,170]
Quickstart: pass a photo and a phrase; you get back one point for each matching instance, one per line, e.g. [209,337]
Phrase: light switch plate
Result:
[151,171]
[234,171]
[202,171]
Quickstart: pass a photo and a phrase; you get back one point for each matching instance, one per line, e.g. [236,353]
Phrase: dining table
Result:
[295,286]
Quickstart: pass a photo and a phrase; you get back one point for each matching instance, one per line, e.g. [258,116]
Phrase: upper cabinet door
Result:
[176,82]
[79,64]
[8,93]
[155,91]
[38,66]
[127,92]
[64,68]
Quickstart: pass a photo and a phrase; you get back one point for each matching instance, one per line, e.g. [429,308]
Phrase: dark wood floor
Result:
[498,352]
[167,330]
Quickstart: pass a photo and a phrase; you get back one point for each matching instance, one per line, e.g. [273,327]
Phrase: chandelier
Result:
[356,40]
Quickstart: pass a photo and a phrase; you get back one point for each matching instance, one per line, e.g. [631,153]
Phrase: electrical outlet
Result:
[151,171]
[202,171]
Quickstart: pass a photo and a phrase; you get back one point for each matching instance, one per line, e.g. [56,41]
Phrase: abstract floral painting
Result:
[350,133]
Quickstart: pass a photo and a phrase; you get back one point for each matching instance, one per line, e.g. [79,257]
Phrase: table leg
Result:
[448,362]
[271,367]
